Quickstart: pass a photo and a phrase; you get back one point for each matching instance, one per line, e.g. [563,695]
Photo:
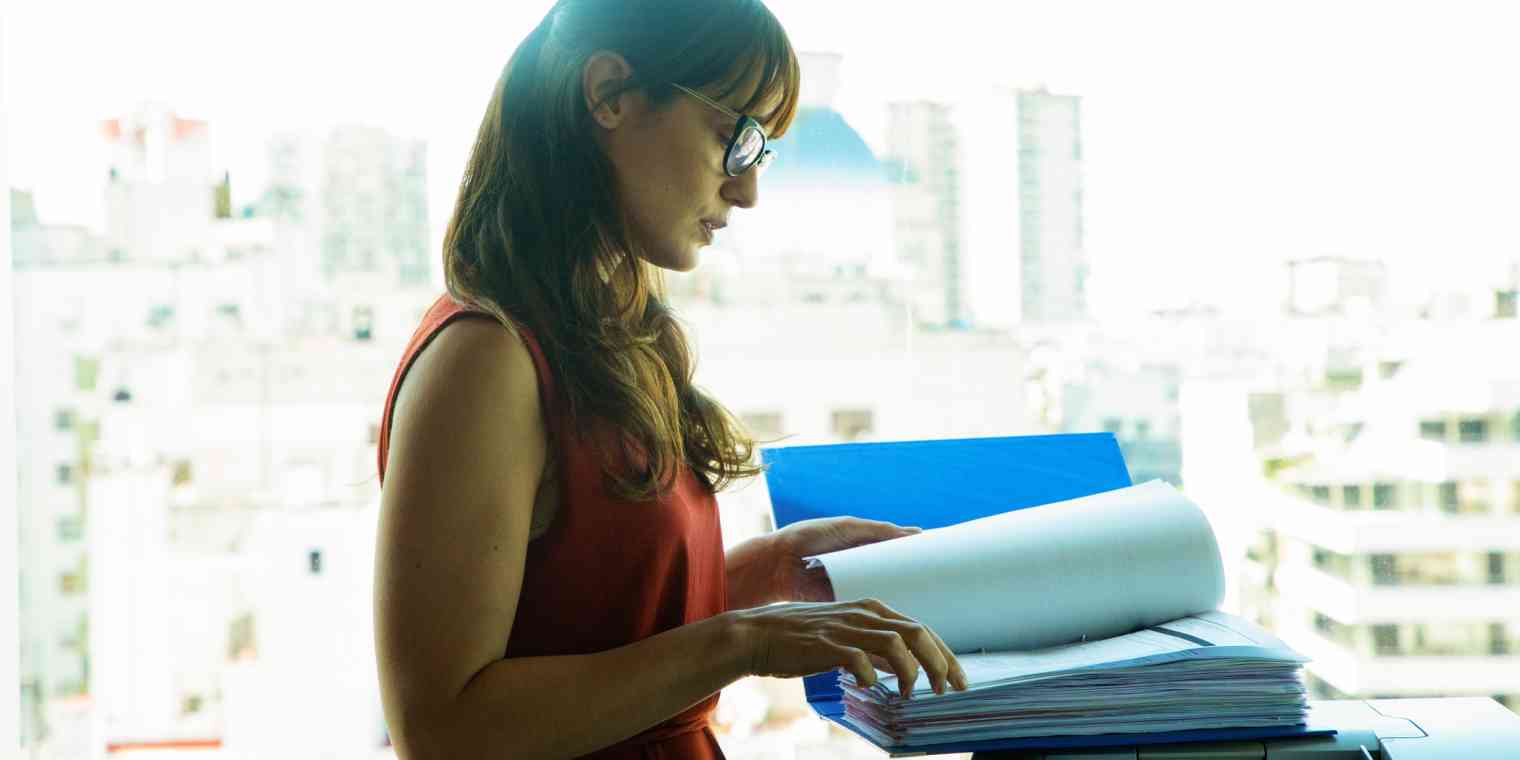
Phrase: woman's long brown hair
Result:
[537,235]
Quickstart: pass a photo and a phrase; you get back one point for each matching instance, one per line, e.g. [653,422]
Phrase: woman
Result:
[550,576]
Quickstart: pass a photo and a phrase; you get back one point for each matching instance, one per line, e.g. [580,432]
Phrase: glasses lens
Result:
[746,150]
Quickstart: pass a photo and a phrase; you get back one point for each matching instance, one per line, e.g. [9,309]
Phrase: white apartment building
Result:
[373,205]
[1380,533]
[923,160]
[179,377]
[1053,264]
[808,374]
[988,196]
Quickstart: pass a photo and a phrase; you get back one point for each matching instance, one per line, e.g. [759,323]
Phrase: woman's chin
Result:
[676,261]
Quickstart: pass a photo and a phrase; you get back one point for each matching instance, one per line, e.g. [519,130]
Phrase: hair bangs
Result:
[767,63]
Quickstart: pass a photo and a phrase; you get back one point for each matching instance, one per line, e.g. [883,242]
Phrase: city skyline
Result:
[198,414]
[1218,142]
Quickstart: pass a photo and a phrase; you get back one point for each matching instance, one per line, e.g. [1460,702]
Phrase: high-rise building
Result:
[988,198]
[1336,285]
[1052,262]
[373,212]
[161,194]
[923,163]
[1380,519]
[164,404]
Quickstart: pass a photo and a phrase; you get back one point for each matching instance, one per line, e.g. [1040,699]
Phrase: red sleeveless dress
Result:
[608,572]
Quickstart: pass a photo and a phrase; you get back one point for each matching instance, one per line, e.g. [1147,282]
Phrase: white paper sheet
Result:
[1092,567]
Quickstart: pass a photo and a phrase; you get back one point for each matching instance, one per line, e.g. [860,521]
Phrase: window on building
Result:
[1497,639]
[1384,496]
[71,583]
[1496,567]
[1351,496]
[63,420]
[65,474]
[1475,496]
[1321,622]
[160,315]
[1332,629]
[1113,425]
[1448,498]
[1331,562]
[1472,430]
[87,371]
[1436,569]
[242,641]
[314,561]
[1320,494]
[1506,303]
[1344,379]
[70,528]
[850,424]
[184,473]
[1385,569]
[1385,639]
[364,323]
[1142,429]
[1433,430]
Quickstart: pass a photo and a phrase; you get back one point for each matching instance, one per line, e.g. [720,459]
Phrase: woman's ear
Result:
[602,75]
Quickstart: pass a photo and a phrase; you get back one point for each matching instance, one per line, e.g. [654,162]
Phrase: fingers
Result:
[889,645]
[923,644]
[859,637]
[858,663]
[870,531]
[957,673]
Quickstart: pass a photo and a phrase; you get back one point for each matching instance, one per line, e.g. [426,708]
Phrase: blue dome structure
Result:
[821,147]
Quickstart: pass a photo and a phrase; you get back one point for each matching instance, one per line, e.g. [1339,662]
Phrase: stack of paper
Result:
[1209,671]
[1132,576]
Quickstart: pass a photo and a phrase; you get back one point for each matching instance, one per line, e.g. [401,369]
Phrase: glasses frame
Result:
[741,123]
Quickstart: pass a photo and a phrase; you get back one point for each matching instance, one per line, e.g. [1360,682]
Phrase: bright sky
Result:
[1219,137]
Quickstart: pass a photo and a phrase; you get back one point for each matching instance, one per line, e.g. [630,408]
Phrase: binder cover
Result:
[932,484]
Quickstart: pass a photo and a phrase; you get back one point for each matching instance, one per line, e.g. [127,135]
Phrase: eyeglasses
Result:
[747,147]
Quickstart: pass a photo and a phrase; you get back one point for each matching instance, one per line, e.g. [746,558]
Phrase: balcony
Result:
[1392,532]
[1402,676]
[1350,604]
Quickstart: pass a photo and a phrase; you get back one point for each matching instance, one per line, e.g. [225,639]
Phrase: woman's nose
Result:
[744,190]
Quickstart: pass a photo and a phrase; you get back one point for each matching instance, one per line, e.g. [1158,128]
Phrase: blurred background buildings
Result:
[199,386]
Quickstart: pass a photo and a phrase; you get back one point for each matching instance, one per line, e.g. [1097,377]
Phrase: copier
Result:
[1470,728]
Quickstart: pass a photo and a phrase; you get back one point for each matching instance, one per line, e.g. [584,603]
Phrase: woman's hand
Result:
[770,568]
[798,639]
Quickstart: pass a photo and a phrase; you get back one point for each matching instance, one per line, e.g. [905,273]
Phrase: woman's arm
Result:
[773,567]
[752,574]
[467,451]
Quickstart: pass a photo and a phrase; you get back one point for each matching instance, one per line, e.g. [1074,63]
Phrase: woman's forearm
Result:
[528,707]
[750,567]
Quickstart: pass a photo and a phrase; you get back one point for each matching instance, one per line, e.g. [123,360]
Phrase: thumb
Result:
[871,531]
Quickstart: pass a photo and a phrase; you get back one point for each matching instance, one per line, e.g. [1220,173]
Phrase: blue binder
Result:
[932,484]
